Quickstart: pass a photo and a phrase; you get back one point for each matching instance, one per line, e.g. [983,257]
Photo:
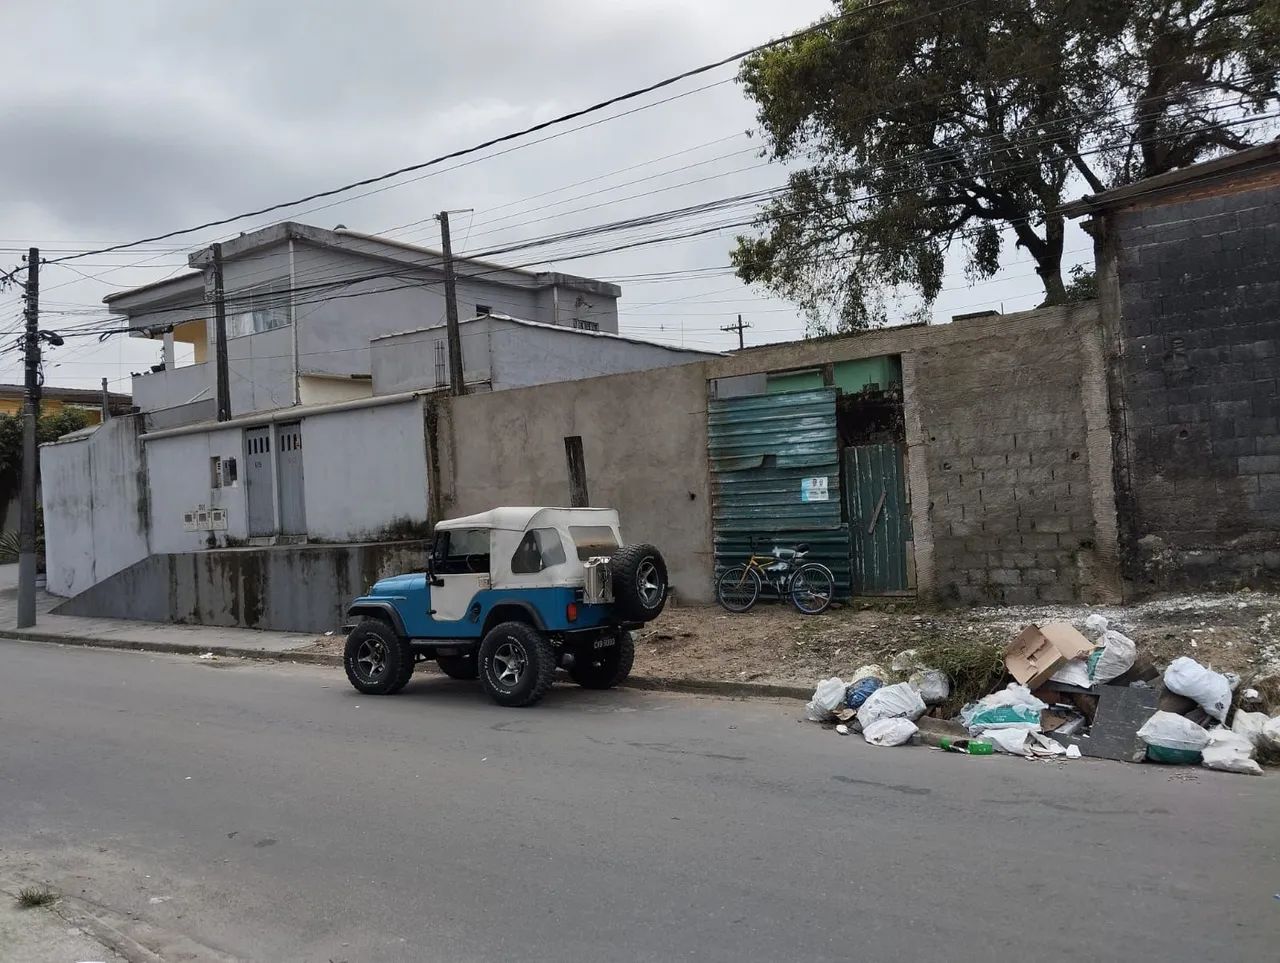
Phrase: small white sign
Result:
[814,489]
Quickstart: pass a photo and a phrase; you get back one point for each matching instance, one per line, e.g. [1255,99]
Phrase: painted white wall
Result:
[364,470]
[323,390]
[179,479]
[95,510]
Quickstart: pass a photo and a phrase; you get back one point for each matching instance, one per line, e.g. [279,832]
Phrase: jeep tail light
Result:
[571,611]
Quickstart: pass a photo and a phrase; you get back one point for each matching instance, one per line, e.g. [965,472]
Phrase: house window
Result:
[215,472]
[586,325]
[257,310]
[442,365]
[482,309]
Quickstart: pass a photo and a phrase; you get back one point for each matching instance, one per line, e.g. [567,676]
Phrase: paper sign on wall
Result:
[814,489]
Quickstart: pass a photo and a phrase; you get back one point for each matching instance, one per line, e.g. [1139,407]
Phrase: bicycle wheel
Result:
[738,588]
[812,588]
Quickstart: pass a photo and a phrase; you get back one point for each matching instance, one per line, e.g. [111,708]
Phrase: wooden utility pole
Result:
[456,384]
[220,336]
[739,327]
[30,418]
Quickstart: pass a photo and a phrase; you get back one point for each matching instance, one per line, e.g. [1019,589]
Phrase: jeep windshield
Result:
[591,540]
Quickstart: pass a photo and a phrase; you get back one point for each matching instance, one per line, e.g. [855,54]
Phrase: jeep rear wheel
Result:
[639,582]
[517,664]
[607,667]
[377,660]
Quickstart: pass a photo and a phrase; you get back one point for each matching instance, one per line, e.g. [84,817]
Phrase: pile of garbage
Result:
[1071,692]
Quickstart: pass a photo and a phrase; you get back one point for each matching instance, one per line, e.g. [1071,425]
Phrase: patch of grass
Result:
[975,668]
[30,897]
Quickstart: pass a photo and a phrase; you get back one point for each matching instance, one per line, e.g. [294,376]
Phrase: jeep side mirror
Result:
[432,578]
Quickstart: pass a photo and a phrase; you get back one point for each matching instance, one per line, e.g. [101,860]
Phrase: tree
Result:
[935,122]
[50,428]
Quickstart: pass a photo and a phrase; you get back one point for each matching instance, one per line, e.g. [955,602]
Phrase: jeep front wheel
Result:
[517,664]
[606,667]
[377,660]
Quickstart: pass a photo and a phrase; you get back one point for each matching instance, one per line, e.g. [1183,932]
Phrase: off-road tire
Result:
[377,660]
[639,582]
[464,666]
[525,645]
[605,668]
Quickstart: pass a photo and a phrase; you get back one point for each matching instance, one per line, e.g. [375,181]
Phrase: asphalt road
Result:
[272,813]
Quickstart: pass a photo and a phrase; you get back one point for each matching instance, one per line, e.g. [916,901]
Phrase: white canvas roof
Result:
[521,519]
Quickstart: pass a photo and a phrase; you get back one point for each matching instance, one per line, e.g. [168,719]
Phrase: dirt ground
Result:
[1238,632]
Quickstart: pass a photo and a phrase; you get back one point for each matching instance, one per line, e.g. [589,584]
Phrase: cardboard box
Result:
[1036,654]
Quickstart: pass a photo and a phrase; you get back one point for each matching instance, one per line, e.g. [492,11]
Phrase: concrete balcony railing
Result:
[173,387]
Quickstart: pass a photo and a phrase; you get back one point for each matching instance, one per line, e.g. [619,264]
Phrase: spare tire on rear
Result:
[639,582]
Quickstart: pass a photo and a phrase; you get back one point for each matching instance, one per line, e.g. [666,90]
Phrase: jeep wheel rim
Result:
[371,659]
[509,663]
[648,584]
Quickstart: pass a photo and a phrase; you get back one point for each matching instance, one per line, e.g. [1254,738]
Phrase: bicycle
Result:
[810,585]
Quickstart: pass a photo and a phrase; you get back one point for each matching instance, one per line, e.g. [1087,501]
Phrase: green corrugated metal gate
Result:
[879,520]
[775,470]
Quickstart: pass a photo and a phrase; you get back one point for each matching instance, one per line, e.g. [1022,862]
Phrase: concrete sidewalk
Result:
[153,636]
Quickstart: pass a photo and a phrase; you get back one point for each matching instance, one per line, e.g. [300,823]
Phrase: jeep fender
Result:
[379,610]
[512,610]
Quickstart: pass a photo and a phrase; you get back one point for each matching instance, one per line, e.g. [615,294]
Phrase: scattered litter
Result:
[905,662]
[842,729]
[891,702]
[1073,751]
[159,899]
[1025,742]
[1095,625]
[1233,680]
[970,747]
[889,732]
[1075,672]
[1010,708]
[208,657]
[1212,690]
[932,684]
[330,632]
[1249,725]
[858,691]
[1172,738]
[1039,650]
[1229,751]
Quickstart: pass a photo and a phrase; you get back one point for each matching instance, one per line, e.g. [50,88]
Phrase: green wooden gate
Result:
[879,519]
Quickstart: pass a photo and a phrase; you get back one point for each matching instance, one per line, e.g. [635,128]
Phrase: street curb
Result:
[748,690]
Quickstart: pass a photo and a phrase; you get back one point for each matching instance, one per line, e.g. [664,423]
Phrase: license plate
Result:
[606,643]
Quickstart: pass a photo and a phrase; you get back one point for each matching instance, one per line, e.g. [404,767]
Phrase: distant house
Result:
[303,304]
[54,400]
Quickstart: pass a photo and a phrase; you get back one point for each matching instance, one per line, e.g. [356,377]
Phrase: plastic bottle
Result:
[972,747]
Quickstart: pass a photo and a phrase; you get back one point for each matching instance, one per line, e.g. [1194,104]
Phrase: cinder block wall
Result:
[1198,345]
[1011,425]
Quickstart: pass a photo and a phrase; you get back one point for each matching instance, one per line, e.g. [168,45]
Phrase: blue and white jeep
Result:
[510,595]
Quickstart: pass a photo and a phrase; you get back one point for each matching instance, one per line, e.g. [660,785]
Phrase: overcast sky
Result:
[126,119]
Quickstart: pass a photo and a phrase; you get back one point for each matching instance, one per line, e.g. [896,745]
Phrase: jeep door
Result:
[459,560]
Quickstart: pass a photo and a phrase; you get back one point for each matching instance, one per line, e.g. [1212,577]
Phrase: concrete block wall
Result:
[1196,336]
[1004,440]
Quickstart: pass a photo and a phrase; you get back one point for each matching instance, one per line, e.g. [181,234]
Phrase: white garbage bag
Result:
[1168,730]
[932,684]
[1113,658]
[1270,735]
[889,732]
[1095,625]
[826,698]
[1189,678]
[891,702]
[1249,725]
[1013,707]
[1074,672]
[1230,752]
[1024,742]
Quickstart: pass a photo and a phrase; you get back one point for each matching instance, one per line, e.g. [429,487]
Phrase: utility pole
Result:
[106,401]
[30,417]
[739,327]
[456,385]
[220,336]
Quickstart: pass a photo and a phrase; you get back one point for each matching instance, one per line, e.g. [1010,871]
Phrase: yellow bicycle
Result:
[782,573]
